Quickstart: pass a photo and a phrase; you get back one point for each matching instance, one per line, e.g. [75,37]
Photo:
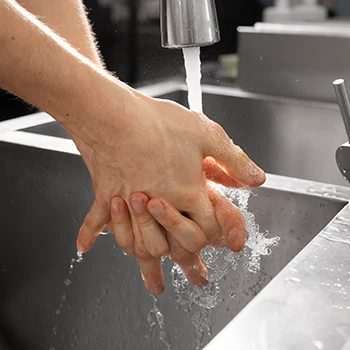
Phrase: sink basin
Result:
[45,199]
[102,303]
[287,137]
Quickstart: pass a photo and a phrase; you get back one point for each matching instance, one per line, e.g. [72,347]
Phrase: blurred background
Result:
[128,34]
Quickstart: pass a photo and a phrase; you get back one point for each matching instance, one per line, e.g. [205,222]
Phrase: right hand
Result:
[157,147]
[184,236]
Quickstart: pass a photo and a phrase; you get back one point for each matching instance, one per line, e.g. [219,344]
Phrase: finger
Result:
[152,274]
[150,268]
[121,225]
[202,212]
[231,157]
[190,263]
[152,233]
[230,220]
[214,172]
[94,222]
[187,233]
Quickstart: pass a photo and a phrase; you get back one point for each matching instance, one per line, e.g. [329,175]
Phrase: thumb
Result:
[214,172]
[231,158]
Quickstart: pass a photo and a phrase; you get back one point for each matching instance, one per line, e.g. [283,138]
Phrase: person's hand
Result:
[184,236]
[158,149]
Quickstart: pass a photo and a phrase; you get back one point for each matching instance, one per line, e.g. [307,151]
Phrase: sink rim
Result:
[241,325]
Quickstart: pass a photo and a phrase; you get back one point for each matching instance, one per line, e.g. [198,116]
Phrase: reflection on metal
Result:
[343,152]
[186,23]
[344,103]
[296,61]
[343,160]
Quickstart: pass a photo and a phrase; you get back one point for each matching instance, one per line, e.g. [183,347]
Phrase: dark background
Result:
[131,47]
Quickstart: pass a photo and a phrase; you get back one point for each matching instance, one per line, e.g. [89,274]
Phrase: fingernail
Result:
[156,209]
[156,289]
[115,205]
[81,248]
[237,239]
[137,204]
[258,174]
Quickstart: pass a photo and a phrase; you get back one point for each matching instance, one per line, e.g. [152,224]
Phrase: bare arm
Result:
[40,67]
[68,19]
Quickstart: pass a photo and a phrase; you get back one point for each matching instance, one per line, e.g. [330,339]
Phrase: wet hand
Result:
[161,149]
[161,230]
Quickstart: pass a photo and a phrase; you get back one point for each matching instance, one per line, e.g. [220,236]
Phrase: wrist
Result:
[99,105]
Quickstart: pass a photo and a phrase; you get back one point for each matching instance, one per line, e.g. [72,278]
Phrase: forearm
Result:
[40,67]
[68,19]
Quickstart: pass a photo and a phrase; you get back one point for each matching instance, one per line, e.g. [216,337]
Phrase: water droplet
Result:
[195,267]
[67,282]
[293,279]
[178,298]
[80,257]
[317,344]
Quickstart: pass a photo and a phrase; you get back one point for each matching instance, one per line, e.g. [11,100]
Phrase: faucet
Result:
[188,23]
[343,152]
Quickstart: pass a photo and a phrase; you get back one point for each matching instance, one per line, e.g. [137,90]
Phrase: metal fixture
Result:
[343,152]
[187,23]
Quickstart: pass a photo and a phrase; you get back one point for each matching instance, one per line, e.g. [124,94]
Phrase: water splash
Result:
[156,321]
[219,262]
[67,283]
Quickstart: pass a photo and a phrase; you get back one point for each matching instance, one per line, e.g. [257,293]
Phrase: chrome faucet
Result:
[343,152]
[187,23]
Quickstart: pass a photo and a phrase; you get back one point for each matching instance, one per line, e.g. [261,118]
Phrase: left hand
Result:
[184,236]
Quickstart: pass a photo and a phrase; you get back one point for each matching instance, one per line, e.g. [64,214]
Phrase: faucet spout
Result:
[188,23]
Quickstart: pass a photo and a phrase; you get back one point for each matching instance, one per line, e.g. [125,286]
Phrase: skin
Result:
[143,154]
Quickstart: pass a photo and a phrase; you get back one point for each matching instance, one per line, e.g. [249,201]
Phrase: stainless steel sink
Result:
[286,137]
[103,303]
[46,196]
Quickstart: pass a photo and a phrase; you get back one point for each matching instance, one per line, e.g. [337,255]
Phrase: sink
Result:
[46,197]
[286,137]
[102,303]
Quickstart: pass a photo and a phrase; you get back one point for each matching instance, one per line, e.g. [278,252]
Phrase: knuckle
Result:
[159,250]
[142,254]
[146,221]
[173,222]
[219,130]
[124,242]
